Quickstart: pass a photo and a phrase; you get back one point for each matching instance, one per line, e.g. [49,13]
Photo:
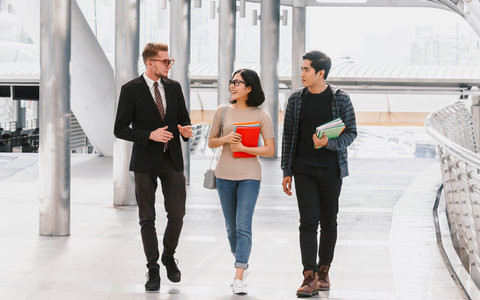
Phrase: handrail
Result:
[462,152]
[451,127]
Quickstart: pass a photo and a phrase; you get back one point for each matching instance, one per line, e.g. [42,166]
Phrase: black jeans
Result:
[317,192]
[174,194]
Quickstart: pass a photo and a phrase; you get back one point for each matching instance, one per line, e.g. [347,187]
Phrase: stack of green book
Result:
[332,129]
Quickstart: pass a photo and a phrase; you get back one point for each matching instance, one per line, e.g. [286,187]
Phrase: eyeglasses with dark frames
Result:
[236,82]
[167,62]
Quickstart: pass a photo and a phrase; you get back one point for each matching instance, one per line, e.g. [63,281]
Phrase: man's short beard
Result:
[161,76]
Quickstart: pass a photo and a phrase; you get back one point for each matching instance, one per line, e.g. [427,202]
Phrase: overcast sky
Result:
[366,35]
[345,31]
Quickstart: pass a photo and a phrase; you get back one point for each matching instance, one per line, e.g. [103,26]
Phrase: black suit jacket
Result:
[137,107]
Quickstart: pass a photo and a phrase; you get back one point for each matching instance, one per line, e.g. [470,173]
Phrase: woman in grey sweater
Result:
[238,178]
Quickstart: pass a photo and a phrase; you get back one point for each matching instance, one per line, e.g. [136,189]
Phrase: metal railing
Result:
[23,143]
[452,129]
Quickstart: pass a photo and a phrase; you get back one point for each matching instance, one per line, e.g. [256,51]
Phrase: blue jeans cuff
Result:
[241,265]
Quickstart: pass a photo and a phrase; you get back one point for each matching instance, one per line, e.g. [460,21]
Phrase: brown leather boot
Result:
[323,279]
[309,286]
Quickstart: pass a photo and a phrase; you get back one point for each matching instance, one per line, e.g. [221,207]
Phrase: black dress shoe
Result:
[153,282]
[170,263]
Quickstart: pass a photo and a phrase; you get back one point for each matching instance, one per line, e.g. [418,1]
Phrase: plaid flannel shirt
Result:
[341,108]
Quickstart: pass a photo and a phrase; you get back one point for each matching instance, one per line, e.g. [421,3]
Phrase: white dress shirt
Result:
[161,89]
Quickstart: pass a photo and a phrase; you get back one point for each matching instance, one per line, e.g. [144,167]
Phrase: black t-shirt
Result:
[316,110]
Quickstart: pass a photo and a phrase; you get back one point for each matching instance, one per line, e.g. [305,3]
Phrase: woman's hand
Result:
[237,147]
[232,138]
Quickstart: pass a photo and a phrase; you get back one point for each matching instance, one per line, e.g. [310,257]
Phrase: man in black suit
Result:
[155,107]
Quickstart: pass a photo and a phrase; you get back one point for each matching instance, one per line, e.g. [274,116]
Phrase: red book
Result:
[250,137]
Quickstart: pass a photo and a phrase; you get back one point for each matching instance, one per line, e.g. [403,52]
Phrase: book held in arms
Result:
[332,129]
[250,132]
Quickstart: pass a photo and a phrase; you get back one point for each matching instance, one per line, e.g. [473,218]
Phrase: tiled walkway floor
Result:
[386,245]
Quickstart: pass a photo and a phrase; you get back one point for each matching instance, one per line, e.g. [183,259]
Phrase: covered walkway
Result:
[386,246]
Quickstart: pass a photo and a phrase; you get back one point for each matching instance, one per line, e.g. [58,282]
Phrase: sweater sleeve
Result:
[287,137]
[347,113]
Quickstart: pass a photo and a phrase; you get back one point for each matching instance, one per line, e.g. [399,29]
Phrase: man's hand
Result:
[185,131]
[161,135]
[237,147]
[287,185]
[322,142]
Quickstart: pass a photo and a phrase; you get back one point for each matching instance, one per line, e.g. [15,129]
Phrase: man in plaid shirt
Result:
[317,173]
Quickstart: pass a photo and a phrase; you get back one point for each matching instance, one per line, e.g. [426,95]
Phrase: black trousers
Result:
[317,192]
[174,194]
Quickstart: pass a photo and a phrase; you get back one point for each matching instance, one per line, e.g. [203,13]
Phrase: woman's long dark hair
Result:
[256,96]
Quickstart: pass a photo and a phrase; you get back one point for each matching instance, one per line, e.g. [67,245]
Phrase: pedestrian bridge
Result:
[401,236]
[394,240]
[386,249]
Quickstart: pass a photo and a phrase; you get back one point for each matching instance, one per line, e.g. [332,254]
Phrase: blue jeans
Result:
[238,199]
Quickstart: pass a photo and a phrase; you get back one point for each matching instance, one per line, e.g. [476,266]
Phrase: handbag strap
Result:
[221,120]
[221,133]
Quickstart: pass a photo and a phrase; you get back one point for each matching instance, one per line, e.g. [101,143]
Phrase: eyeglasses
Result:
[237,82]
[167,62]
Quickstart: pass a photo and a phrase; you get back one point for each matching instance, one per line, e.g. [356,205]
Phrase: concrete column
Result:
[127,28]
[35,110]
[226,48]
[54,156]
[298,41]
[269,53]
[23,116]
[18,116]
[180,12]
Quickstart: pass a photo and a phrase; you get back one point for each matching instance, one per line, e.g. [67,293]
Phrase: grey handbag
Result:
[209,179]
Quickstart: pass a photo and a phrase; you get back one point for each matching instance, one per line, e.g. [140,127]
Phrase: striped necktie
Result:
[159,104]
[158,101]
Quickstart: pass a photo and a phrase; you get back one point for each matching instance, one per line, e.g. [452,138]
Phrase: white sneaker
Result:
[239,288]
[245,275]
